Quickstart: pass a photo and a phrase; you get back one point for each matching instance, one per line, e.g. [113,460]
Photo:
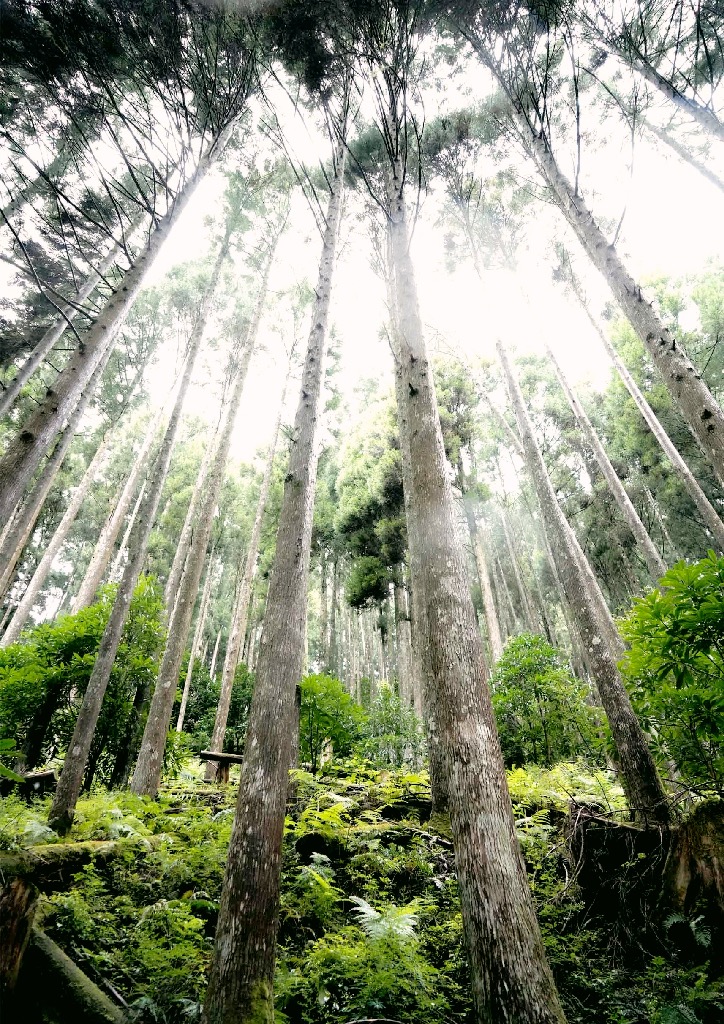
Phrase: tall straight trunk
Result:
[511,979]
[215,656]
[58,539]
[710,518]
[638,61]
[109,534]
[243,599]
[184,541]
[62,809]
[323,618]
[691,396]
[21,527]
[529,615]
[69,311]
[654,562]
[486,588]
[425,691]
[196,643]
[119,560]
[332,655]
[643,786]
[147,773]
[684,153]
[658,516]
[403,637]
[242,970]
[70,387]
[505,599]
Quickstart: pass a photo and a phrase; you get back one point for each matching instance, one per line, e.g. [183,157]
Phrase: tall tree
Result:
[645,792]
[242,970]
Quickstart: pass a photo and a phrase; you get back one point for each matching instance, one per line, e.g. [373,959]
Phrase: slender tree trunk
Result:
[147,774]
[243,599]
[242,971]
[196,644]
[62,809]
[486,588]
[119,561]
[109,534]
[658,516]
[511,978]
[184,541]
[323,621]
[710,518]
[404,645]
[691,396]
[128,750]
[214,656]
[529,616]
[332,658]
[654,562]
[21,528]
[646,795]
[72,385]
[69,311]
[684,153]
[59,537]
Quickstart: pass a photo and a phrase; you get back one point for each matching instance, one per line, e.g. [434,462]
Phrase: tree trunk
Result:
[62,810]
[683,152]
[331,666]
[184,541]
[21,528]
[242,971]
[486,588]
[69,311]
[711,519]
[243,599]
[104,547]
[214,656]
[147,774]
[404,645]
[645,793]
[691,396]
[658,516]
[59,537]
[196,644]
[323,619]
[511,979]
[72,385]
[654,562]
[529,616]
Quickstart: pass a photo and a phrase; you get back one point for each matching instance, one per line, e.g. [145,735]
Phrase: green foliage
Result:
[392,732]
[540,708]
[328,715]
[7,747]
[44,676]
[674,668]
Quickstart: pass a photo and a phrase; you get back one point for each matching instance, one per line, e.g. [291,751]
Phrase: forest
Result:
[361,512]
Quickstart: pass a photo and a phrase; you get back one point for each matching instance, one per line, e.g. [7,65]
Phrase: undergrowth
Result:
[370,925]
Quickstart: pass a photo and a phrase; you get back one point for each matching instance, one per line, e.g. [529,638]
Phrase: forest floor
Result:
[369,923]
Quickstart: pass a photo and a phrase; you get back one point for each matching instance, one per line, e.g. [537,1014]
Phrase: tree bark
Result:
[62,810]
[109,534]
[21,528]
[242,971]
[711,519]
[511,979]
[243,599]
[640,779]
[196,643]
[147,774]
[654,562]
[72,385]
[486,587]
[184,542]
[59,537]
[214,656]
[69,311]
[691,396]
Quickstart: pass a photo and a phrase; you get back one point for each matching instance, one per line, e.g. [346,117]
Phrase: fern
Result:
[393,922]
